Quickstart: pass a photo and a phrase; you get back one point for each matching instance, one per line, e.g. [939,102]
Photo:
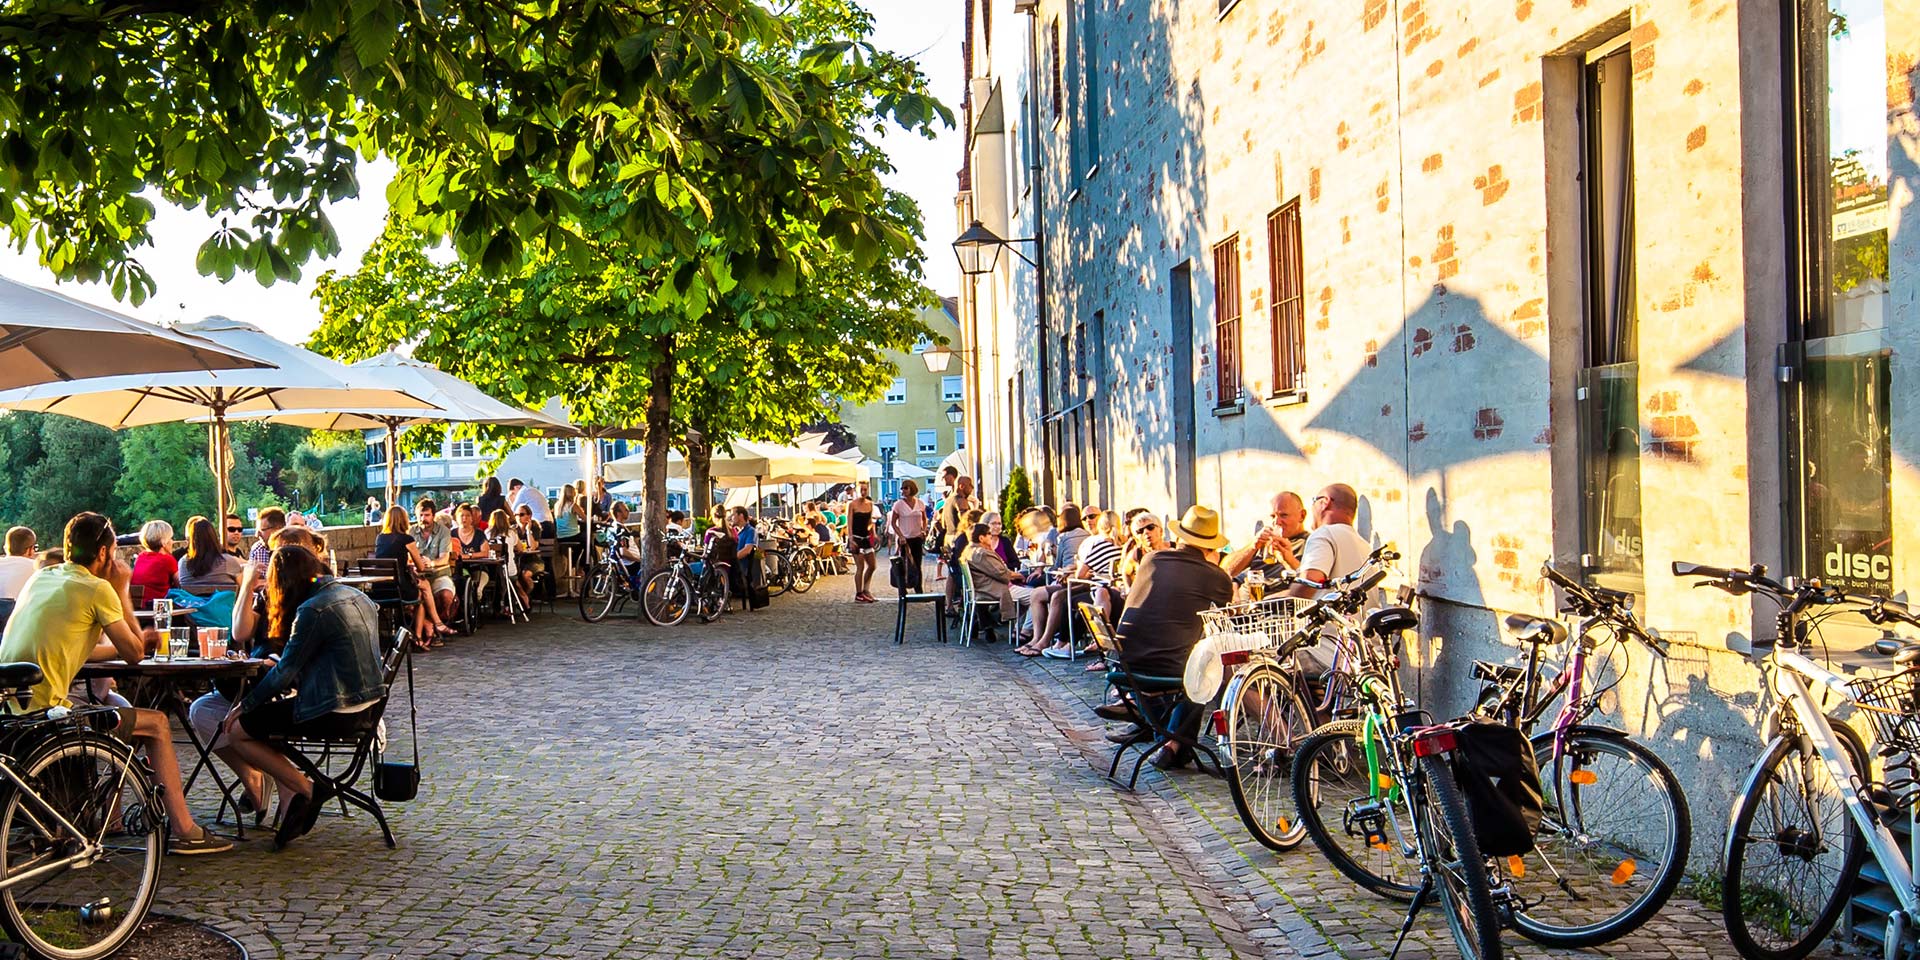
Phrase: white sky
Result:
[930,32]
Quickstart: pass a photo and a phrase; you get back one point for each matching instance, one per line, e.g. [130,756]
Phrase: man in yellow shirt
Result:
[59,623]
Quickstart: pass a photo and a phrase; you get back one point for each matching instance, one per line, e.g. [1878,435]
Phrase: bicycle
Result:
[610,580]
[1616,831]
[1265,711]
[84,830]
[1803,826]
[1408,806]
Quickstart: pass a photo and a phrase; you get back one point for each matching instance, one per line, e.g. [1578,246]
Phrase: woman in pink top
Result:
[907,521]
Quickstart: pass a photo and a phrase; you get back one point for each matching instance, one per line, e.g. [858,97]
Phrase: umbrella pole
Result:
[217,449]
[591,498]
[393,465]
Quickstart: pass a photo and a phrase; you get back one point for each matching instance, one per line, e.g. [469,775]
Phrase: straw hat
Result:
[1200,528]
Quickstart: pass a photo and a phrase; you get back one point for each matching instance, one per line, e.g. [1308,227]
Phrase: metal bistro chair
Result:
[317,757]
[971,601]
[938,600]
[1151,698]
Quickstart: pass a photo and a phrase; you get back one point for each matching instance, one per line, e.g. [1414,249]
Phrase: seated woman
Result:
[332,660]
[395,543]
[207,565]
[155,571]
[1091,558]
[991,577]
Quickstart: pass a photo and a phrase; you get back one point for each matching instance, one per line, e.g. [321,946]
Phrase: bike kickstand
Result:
[1413,910]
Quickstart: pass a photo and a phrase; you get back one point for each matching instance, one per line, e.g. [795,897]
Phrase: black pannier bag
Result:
[1495,768]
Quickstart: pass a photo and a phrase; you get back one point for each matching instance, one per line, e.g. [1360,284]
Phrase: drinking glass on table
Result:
[1256,585]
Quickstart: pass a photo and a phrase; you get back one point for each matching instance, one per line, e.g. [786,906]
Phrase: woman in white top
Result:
[907,521]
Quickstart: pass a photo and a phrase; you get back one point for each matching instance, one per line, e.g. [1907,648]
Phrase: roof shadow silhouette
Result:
[1414,401]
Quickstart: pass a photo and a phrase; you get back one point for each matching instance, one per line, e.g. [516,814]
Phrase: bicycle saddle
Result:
[18,676]
[1537,629]
[1903,652]
[1387,621]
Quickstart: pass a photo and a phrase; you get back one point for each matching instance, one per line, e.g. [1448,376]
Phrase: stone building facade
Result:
[1610,285]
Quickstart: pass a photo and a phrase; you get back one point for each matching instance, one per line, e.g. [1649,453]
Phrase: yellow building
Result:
[920,418]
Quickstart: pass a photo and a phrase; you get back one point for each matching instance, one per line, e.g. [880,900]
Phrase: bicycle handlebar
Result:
[1612,606]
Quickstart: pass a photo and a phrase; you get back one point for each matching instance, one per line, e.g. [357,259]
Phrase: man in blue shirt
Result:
[746,569]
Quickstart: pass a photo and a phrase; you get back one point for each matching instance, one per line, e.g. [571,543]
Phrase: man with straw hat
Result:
[1162,620]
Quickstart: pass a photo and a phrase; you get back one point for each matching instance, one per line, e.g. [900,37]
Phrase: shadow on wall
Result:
[1464,377]
[1446,577]
[1112,249]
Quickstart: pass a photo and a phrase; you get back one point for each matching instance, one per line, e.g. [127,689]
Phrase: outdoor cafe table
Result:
[510,596]
[170,686]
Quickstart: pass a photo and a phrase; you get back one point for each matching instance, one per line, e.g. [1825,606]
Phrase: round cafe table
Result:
[170,686]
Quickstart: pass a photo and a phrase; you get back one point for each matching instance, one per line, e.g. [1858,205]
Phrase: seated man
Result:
[433,532]
[1275,550]
[58,625]
[1161,624]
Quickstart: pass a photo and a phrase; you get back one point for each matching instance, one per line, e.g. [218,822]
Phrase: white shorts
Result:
[442,583]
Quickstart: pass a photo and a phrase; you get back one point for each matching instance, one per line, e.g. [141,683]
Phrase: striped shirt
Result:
[1099,554]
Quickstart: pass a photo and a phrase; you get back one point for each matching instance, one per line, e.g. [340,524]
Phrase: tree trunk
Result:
[700,472]
[653,511]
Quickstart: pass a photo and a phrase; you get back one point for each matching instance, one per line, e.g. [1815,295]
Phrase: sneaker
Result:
[198,844]
[1058,652]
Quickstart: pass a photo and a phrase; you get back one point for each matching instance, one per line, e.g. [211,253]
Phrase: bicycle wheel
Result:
[1460,872]
[1331,794]
[1612,845]
[601,591]
[667,598]
[1793,852]
[712,598]
[1266,723]
[90,909]
[806,570]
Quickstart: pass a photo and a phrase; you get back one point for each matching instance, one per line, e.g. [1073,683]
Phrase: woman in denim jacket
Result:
[332,660]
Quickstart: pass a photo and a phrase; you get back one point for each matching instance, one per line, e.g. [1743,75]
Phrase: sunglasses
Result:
[1145,528]
[235,530]
[1322,497]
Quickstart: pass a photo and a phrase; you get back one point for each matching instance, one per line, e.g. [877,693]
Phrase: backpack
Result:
[1495,769]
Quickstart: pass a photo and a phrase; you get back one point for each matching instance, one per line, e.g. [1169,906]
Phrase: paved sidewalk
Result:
[784,784]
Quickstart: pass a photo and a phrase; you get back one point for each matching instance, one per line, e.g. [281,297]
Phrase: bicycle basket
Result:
[1890,703]
[1271,618]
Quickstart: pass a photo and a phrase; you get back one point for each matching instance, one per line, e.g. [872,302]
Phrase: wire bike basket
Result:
[1272,618]
[1891,704]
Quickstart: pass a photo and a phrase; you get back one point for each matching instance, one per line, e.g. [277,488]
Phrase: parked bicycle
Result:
[1613,842]
[1377,795]
[1812,810]
[610,580]
[1269,706]
[84,828]
[690,583]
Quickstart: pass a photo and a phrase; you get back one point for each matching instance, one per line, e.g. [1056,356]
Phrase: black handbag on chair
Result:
[397,781]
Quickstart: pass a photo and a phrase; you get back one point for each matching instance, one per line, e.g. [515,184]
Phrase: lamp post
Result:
[978,249]
[954,413]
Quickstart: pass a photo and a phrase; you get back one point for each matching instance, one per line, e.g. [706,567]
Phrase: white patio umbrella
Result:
[46,337]
[298,379]
[452,400]
[750,463]
[902,470]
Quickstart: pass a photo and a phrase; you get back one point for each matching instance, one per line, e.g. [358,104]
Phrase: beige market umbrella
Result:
[46,337]
[452,400]
[298,379]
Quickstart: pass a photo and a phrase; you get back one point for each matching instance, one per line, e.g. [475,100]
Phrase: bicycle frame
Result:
[1792,671]
[89,847]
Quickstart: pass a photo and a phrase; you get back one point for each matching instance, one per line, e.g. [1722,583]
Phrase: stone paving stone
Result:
[786,783]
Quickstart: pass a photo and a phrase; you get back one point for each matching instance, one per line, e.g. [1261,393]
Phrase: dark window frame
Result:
[1226,322]
[1287,312]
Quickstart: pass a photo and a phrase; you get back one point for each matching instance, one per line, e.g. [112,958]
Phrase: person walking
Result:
[862,536]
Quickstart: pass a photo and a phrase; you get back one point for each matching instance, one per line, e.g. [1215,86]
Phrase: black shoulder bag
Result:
[397,781]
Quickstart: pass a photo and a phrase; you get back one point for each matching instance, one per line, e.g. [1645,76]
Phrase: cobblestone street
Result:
[780,784]
[791,784]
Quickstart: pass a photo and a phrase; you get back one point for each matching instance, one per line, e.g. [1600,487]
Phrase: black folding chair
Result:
[316,756]
[938,600]
[1151,698]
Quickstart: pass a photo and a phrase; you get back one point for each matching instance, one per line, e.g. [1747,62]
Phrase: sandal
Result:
[1026,652]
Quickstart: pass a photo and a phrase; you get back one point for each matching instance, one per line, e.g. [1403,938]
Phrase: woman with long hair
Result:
[395,543]
[569,530]
[207,564]
[907,521]
[331,664]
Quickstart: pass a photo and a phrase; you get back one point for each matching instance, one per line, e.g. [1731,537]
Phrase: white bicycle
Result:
[1811,811]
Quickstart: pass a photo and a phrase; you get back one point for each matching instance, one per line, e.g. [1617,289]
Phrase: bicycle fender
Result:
[1592,730]
[1746,787]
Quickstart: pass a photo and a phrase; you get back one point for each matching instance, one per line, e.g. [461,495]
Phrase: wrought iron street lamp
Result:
[954,413]
[978,249]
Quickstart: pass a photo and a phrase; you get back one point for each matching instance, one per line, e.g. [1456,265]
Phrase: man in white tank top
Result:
[1334,549]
